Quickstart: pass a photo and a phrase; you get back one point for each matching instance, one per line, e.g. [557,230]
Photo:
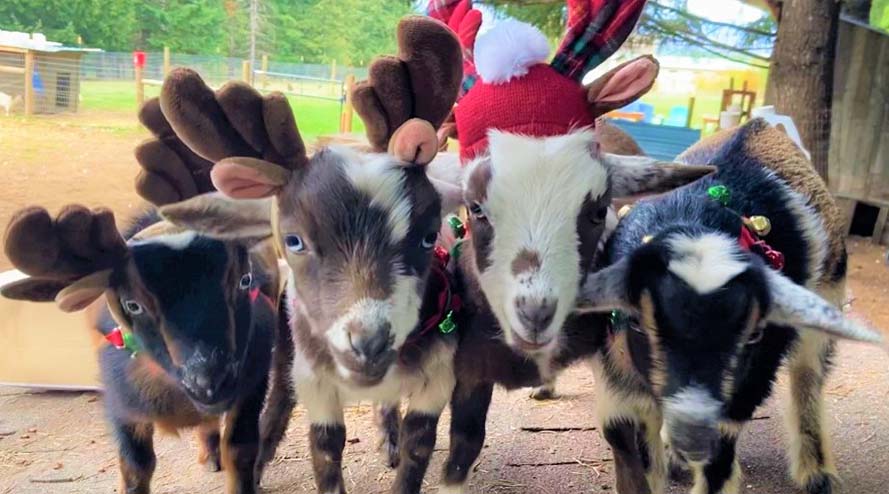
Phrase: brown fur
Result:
[613,140]
[774,149]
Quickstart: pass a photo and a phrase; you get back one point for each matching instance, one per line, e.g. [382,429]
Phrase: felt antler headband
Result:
[69,258]
[519,92]
[407,97]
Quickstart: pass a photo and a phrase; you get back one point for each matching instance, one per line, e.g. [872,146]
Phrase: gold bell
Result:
[624,210]
[759,224]
[647,239]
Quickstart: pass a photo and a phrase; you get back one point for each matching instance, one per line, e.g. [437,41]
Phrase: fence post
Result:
[166,60]
[265,68]
[29,82]
[333,69]
[245,71]
[346,116]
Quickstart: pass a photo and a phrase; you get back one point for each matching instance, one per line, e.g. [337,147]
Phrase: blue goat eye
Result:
[429,240]
[294,244]
[132,307]
[246,281]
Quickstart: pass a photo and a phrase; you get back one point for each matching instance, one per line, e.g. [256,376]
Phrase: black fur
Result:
[327,443]
[144,390]
[698,339]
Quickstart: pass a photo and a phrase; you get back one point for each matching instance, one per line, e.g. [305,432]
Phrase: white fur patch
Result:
[381,178]
[508,50]
[176,241]
[535,194]
[706,262]
[401,311]
[692,404]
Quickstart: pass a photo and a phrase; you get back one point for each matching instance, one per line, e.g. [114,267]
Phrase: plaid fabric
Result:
[596,29]
[465,21]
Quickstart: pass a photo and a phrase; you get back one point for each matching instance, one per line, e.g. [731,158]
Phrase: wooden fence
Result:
[249,75]
[859,138]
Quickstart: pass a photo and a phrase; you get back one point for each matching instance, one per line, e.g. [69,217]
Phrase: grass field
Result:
[313,116]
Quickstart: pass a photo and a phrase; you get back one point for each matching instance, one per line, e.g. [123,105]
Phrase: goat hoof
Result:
[212,464]
[822,484]
[390,452]
[543,393]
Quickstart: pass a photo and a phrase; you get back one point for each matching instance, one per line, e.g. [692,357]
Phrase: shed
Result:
[859,137]
[44,74]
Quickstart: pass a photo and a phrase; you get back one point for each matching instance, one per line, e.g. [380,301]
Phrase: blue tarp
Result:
[659,141]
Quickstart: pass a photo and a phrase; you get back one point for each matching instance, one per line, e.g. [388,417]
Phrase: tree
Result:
[801,76]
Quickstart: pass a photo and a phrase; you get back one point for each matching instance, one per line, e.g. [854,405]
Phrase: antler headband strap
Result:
[596,29]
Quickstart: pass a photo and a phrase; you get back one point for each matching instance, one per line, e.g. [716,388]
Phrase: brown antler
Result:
[78,242]
[195,127]
[421,82]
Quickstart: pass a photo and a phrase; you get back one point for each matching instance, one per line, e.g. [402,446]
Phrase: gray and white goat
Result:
[711,318]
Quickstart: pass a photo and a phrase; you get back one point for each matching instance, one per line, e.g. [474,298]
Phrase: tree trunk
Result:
[801,76]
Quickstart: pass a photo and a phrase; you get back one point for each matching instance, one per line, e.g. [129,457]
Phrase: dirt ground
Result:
[57,442]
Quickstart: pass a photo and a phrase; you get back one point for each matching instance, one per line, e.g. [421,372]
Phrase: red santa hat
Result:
[515,90]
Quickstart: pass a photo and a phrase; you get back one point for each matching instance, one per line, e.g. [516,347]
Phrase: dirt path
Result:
[54,160]
[53,443]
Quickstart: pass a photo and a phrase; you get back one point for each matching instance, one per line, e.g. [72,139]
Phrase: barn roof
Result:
[37,42]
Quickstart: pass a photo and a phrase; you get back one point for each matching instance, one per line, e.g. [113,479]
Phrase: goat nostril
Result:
[536,317]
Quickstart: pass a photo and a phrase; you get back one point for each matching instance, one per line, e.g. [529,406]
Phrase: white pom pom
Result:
[508,50]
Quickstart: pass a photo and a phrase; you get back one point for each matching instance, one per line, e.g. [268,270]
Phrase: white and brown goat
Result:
[358,232]
[714,311]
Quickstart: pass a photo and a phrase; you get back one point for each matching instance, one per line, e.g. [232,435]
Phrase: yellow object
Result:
[759,224]
[624,210]
[647,239]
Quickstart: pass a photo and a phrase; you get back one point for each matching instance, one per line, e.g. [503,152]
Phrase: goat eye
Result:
[601,214]
[429,240]
[132,307]
[756,336]
[294,244]
[246,281]
[476,210]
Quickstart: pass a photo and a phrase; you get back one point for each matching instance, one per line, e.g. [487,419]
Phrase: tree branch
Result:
[693,17]
[707,48]
[703,40]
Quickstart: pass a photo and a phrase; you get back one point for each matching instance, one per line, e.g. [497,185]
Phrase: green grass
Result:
[313,116]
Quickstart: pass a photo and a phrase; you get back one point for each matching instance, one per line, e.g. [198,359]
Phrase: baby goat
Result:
[714,312]
[192,321]
[358,231]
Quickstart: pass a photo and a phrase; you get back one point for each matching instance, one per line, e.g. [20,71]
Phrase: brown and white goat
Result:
[358,232]
[714,312]
[195,330]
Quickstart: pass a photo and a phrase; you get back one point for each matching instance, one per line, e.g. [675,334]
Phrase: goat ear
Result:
[446,176]
[218,216]
[796,306]
[640,174]
[605,290]
[80,294]
[16,285]
[249,178]
[622,85]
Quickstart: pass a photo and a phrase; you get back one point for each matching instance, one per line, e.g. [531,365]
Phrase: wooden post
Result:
[166,60]
[333,69]
[691,110]
[346,117]
[265,68]
[29,82]
[245,71]
[140,87]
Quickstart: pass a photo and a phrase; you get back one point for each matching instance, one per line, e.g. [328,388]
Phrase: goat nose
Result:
[371,344]
[536,315]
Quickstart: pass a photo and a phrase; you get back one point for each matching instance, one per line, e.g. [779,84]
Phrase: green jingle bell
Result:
[720,194]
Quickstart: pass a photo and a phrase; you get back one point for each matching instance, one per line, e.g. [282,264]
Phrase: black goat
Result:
[193,324]
[715,309]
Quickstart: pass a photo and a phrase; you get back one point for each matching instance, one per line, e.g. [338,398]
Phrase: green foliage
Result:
[349,31]
[879,14]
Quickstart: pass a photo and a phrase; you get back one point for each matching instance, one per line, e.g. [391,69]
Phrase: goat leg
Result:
[240,442]
[469,413]
[135,444]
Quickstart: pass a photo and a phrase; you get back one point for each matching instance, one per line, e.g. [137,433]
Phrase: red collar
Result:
[752,243]
[448,303]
